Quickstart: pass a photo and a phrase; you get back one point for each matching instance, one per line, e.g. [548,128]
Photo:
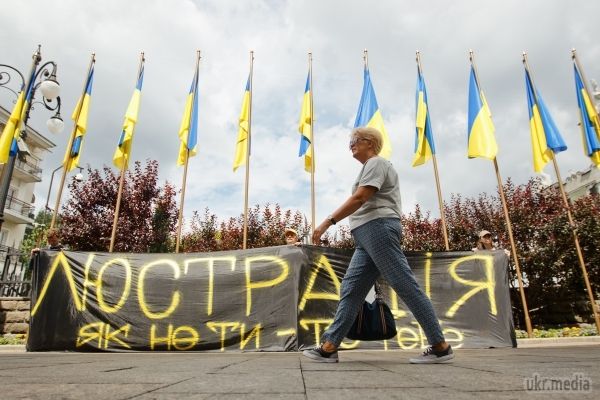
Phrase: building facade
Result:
[19,211]
[582,183]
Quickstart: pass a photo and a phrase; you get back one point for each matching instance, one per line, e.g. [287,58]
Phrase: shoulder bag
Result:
[374,320]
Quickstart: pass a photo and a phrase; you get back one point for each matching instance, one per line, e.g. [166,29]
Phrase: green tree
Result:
[35,236]
[146,219]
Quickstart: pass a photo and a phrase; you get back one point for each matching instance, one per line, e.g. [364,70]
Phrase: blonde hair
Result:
[371,134]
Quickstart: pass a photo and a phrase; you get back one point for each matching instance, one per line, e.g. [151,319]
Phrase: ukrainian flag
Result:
[481,139]
[80,116]
[545,137]
[424,145]
[123,151]
[304,128]
[244,127]
[188,129]
[589,121]
[369,115]
[12,130]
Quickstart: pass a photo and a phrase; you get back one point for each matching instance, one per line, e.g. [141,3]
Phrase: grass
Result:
[10,338]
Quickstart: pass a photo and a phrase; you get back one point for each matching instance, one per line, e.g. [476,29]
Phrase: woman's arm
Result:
[353,203]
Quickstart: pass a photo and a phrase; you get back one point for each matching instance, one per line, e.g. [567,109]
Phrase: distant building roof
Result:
[582,183]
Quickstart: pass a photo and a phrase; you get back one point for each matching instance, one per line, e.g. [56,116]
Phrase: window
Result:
[3,237]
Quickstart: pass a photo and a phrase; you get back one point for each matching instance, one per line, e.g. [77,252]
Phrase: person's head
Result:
[485,240]
[53,237]
[291,236]
[365,143]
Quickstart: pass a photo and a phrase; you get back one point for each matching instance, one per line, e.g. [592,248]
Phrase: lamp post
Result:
[40,77]
[78,178]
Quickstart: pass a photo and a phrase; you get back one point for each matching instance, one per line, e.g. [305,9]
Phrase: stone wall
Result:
[14,314]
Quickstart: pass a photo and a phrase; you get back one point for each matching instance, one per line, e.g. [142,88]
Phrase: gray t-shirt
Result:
[385,203]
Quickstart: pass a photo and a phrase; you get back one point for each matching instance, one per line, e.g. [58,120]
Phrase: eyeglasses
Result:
[355,140]
[487,236]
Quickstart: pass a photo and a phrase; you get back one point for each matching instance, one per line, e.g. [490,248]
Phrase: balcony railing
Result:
[29,167]
[20,207]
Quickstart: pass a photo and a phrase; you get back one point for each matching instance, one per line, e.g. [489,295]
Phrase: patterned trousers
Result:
[377,253]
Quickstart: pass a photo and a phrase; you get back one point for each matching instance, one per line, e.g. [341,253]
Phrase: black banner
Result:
[268,299]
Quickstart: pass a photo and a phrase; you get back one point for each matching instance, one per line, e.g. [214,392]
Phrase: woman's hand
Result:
[319,231]
[353,203]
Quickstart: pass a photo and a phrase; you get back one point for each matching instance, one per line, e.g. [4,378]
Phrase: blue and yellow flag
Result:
[123,151]
[369,115]
[80,116]
[305,128]
[244,127]
[481,139]
[589,121]
[545,137]
[12,130]
[424,145]
[188,129]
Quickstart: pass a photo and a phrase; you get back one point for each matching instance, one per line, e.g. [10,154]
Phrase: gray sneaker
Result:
[430,356]
[320,355]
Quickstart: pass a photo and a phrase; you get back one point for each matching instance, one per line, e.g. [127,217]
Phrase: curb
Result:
[558,341]
[12,348]
[521,343]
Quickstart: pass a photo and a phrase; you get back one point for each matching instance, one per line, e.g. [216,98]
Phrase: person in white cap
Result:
[485,242]
[291,237]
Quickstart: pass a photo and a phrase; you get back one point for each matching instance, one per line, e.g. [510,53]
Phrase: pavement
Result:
[360,374]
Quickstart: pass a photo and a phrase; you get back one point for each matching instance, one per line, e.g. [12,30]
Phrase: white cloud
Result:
[281,33]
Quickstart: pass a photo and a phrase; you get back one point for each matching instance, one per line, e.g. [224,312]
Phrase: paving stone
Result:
[255,381]
[61,391]
[362,374]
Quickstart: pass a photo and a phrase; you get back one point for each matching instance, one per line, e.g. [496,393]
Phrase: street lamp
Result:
[43,78]
[78,178]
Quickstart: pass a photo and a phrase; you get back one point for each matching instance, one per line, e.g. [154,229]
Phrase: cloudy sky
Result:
[281,33]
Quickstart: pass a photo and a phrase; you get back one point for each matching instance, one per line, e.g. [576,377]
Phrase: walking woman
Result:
[374,211]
